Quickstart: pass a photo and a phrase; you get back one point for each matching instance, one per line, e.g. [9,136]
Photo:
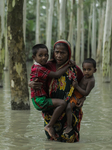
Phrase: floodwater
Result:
[23,130]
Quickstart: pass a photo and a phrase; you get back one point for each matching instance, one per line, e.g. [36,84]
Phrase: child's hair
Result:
[90,60]
[36,47]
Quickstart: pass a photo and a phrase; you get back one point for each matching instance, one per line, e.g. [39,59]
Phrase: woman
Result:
[62,88]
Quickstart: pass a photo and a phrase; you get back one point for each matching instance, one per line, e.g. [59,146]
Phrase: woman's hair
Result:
[64,44]
[36,47]
[90,60]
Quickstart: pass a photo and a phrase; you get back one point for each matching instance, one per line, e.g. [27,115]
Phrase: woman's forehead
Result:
[61,46]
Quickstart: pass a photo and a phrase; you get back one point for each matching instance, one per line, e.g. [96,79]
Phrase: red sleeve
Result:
[79,74]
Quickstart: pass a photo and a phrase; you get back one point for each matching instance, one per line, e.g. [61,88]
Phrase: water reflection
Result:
[24,129]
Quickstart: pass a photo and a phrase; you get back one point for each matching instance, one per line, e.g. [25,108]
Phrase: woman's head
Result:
[62,52]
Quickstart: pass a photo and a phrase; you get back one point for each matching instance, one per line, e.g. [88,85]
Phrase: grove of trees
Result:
[86,24]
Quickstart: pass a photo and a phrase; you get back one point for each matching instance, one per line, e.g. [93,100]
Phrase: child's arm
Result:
[60,72]
[88,89]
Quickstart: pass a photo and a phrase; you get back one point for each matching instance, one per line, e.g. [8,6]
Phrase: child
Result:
[39,97]
[83,89]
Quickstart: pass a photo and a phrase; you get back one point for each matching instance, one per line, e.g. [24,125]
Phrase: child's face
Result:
[88,69]
[41,56]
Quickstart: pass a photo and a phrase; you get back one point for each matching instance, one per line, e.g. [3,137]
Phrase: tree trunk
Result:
[24,21]
[70,36]
[100,37]
[82,32]
[6,64]
[58,20]
[93,48]
[37,22]
[77,56]
[17,58]
[89,32]
[106,42]
[62,19]
[49,29]
[2,40]
[47,13]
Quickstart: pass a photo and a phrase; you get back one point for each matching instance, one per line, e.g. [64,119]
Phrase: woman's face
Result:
[60,54]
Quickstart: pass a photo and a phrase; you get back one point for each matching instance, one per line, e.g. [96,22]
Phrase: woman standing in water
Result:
[62,88]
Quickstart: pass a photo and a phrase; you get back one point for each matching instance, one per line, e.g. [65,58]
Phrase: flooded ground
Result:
[23,130]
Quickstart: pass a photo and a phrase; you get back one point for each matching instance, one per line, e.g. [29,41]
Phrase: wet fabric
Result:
[42,103]
[75,97]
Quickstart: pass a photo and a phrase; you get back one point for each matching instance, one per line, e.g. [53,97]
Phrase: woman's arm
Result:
[35,84]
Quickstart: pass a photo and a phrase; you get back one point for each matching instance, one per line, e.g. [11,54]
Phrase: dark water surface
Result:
[23,130]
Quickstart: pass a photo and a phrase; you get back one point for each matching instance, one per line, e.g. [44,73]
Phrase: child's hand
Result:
[75,83]
[80,102]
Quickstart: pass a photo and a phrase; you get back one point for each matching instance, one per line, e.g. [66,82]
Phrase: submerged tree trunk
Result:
[106,42]
[17,58]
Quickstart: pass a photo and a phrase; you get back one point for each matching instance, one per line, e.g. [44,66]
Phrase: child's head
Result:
[40,53]
[89,67]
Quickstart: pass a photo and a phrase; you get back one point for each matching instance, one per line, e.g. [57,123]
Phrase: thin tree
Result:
[107,42]
[49,28]
[71,26]
[93,42]
[24,21]
[89,32]
[77,55]
[62,19]
[6,64]
[100,35]
[17,58]
[82,31]
[37,34]
[2,40]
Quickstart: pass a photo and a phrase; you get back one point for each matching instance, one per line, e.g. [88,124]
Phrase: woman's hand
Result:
[35,84]
[80,102]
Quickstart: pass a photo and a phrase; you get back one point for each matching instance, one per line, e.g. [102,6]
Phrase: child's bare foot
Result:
[67,130]
[50,131]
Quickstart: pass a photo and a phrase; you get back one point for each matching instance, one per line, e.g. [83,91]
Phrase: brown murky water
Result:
[23,130]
